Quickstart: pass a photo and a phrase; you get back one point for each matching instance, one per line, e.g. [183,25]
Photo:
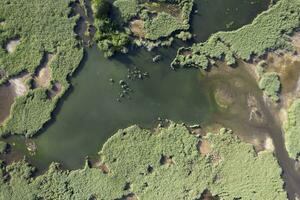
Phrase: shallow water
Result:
[91,113]
[224,15]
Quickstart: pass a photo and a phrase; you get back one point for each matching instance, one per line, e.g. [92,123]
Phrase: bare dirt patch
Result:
[43,75]
[207,195]
[12,45]
[19,84]
[204,147]
[171,9]
[137,27]
[166,160]
[55,90]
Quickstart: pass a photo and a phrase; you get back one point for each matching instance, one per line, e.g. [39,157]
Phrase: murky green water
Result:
[90,114]
[224,15]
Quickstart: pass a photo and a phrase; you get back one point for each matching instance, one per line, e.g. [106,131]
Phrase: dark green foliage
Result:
[265,33]
[108,36]
[270,83]
[292,130]
[101,8]
[42,27]
[127,9]
[161,165]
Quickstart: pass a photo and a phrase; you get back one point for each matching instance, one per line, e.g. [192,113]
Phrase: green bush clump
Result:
[161,26]
[108,37]
[270,84]
[267,32]
[292,130]
[161,165]
[184,35]
[42,27]
[127,8]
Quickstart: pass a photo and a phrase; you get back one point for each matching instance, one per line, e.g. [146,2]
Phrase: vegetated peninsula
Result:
[38,53]
[146,23]
[268,32]
[170,163]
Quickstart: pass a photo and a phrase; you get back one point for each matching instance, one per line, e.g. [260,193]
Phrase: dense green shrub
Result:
[108,37]
[292,130]
[161,26]
[127,8]
[270,83]
[42,27]
[101,8]
[161,165]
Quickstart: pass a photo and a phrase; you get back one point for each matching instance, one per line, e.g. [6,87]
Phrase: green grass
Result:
[42,27]
[270,84]
[232,170]
[266,33]
[292,130]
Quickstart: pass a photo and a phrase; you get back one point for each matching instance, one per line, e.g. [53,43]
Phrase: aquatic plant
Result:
[265,33]
[292,130]
[41,27]
[270,84]
[165,164]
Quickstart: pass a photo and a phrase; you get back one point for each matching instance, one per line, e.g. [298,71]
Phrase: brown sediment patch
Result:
[207,195]
[129,197]
[19,84]
[55,90]
[137,27]
[204,147]
[7,95]
[186,52]
[171,9]
[223,96]
[43,73]
[269,145]
[12,45]
[166,160]
[255,114]
[103,167]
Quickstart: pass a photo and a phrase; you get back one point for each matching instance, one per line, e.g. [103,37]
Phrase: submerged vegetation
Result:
[149,24]
[292,130]
[42,27]
[269,30]
[165,164]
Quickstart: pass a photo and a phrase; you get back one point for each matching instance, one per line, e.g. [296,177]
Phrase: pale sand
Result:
[12,45]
